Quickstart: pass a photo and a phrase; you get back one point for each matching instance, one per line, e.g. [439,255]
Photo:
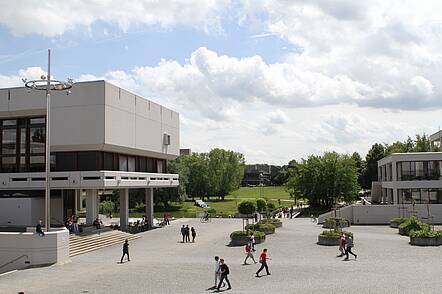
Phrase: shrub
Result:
[336,222]
[211,210]
[426,233]
[270,206]
[106,207]
[398,220]
[413,224]
[140,207]
[269,221]
[247,233]
[261,227]
[335,233]
[247,207]
[261,204]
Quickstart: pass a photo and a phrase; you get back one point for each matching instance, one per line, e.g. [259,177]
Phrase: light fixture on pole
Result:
[46,84]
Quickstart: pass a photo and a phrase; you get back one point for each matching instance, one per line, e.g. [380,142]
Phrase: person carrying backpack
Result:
[224,275]
[349,247]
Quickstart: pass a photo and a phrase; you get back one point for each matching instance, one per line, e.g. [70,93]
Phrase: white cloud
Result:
[51,17]
[15,80]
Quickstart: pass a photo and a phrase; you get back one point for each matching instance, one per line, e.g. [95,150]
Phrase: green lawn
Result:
[229,205]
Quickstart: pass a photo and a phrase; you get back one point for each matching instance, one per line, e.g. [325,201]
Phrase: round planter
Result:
[425,241]
[394,225]
[244,240]
[328,241]
[402,232]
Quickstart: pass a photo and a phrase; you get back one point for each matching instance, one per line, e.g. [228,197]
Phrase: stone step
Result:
[82,244]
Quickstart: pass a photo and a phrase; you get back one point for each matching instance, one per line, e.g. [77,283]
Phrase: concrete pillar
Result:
[149,206]
[91,206]
[395,196]
[124,209]
[76,201]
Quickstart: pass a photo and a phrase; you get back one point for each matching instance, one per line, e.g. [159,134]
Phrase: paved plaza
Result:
[161,264]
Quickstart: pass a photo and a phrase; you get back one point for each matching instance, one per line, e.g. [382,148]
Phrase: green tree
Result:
[325,180]
[370,174]
[261,204]
[246,207]
[225,171]
[360,166]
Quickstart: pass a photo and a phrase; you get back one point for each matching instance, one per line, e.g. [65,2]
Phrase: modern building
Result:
[186,151]
[102,138]
[259,174]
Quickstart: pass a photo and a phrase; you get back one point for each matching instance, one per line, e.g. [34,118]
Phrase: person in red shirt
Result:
[263,260]
[249,254]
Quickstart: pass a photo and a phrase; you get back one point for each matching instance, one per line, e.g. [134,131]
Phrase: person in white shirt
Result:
[217,272]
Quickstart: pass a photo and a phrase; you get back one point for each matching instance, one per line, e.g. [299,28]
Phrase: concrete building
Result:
[102,138]
[259,174]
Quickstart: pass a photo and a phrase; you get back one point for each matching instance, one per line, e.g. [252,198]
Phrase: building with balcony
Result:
[102,138]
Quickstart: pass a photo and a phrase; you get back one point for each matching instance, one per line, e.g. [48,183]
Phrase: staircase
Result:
[79,244]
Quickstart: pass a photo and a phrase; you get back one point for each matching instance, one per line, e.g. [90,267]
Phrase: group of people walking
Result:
[345,246]
[186,232]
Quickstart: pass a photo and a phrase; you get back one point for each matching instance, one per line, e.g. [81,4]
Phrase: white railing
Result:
[88,179]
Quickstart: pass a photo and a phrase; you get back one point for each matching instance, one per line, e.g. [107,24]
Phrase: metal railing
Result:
[14,260]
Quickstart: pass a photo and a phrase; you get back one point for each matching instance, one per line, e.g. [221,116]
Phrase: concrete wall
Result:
[382,214]
[99,116]
[136,125]
[28,211]
[33,250]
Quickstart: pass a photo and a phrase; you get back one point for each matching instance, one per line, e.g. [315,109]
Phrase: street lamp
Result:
[46,84]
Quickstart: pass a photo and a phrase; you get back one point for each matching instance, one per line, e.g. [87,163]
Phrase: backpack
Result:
[227,271]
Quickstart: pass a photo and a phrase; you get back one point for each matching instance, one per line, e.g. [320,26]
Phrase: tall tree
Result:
[377,152]
[360,166]
[324,180]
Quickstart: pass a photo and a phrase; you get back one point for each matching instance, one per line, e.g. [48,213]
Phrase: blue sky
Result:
[275,80]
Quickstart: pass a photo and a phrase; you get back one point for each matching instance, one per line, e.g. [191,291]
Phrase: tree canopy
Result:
[324,180]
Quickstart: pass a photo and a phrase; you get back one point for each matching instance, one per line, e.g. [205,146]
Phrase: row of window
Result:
[412,171]
[420,196]
[22,149]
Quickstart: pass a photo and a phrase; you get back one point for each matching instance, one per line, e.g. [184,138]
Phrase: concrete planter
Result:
[330,226]
[394,225]
[426,241]
[243,240]
[402,232]
[328,241]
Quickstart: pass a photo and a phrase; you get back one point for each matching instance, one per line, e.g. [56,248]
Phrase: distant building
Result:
[257,174]
[186,151]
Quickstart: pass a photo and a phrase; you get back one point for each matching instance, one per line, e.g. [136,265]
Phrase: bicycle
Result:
[205,219]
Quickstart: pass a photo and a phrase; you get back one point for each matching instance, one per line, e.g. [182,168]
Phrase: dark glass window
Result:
[122,162]
[151,168]
[108,161]
[131,163]
[142,164]
[37,163]
[38,138]
[38,120]
[66,161]
[9,141]
[88,160]
[9,122]
[9,164]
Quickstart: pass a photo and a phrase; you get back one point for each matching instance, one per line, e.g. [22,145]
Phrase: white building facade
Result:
[102,138]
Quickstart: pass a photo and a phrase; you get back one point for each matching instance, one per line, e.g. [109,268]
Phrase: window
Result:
[65,161]
[37,163]
[131,163]
[38,138]
[9,141]
[108,161]
[88,160]
[122,162]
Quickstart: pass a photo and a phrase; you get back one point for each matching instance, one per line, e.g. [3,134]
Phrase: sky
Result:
[274,80]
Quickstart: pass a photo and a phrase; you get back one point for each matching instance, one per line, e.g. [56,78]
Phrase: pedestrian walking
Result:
[224,275]
[348,248]
[183,232]
[255,216]
[291,212]
[263,260]
[217,272]
[125,251]
[342,242]
[252,242]
[193,234]
[187,231]
[39,230]
[249,254]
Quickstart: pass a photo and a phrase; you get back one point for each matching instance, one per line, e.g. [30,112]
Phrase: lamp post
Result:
[46,84]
